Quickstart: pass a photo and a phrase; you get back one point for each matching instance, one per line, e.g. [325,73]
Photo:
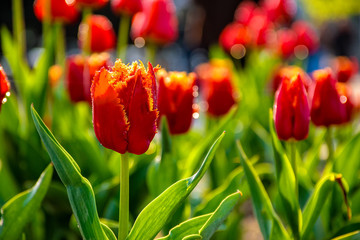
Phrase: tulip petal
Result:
[109,116]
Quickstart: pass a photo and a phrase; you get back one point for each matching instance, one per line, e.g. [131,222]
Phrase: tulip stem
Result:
[151,52]
[86,49]
[124,197]
[123,35]
[293,164]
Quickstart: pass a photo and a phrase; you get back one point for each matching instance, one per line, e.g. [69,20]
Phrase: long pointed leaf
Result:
[19,210]
[269,222]
[155,215]
[285,180]
[79,189]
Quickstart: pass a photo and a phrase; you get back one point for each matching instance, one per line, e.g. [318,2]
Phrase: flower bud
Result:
[4,86]
[128,7]
[60,10]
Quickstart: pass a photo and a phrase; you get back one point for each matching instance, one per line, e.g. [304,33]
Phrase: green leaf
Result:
[155,215]
[349,236]
[286,183]
[108,232]
[20,210]
[347,161]
[313,207]
[204,225]
[269,222]
[80,192]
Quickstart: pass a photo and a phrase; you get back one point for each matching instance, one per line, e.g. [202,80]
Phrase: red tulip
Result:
[260,27]
[234,34]
[344,68]
[289,71]
[60,10]
[157,22]
[291,109]
[4,86]
[245,12]
[286,42]
[306,35]
[215,79]
[80,72]
[129,7]
[326,108]
[94,4]
[280,10]
[345,94]
[124,104]
[176,99]
[98,33]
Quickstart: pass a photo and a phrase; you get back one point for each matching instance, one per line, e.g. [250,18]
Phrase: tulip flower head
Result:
[286,42]
[234,35]
[327,108]
[94,4]
[344,68]
[128,7]
[291,109]
[59,10]
[96,34]
[215,82]
[280,10]
[346,99]
[80,72]
[124,104]
[176,96]
[306,36]
[244,12]
[4,86]
[157,22]
[289,71]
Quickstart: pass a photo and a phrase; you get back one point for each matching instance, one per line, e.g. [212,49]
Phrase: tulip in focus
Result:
[128,7]
[4,86]
[96,34]
[60,10]
[94,4]
[291,109]
[215,82]
[288,72]
[156,23]
[176,96]
[80,72]
[124,103]
[344,68]
[327,108]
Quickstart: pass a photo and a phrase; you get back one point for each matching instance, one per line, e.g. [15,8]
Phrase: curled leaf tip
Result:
[238,191]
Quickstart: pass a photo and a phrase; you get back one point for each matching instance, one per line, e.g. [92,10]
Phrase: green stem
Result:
[19,27]
[123,35]
[87,44]
[293,164]
[60,46]
[151,52]
[124,197]
[329,142]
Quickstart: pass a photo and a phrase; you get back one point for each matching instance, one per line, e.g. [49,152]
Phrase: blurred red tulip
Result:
[4,86]
[260,27]
[344,68]
[124,104]
[281,11]
[326,108]
[234,34]
[289,71]
[80,73]
[94,4]
[306,36]
[129,7]
[215,82]
[176,96]
[344,92]
[286,42]
[245,12]
[157,22]
[291,109]
[60,10]
[98,33]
